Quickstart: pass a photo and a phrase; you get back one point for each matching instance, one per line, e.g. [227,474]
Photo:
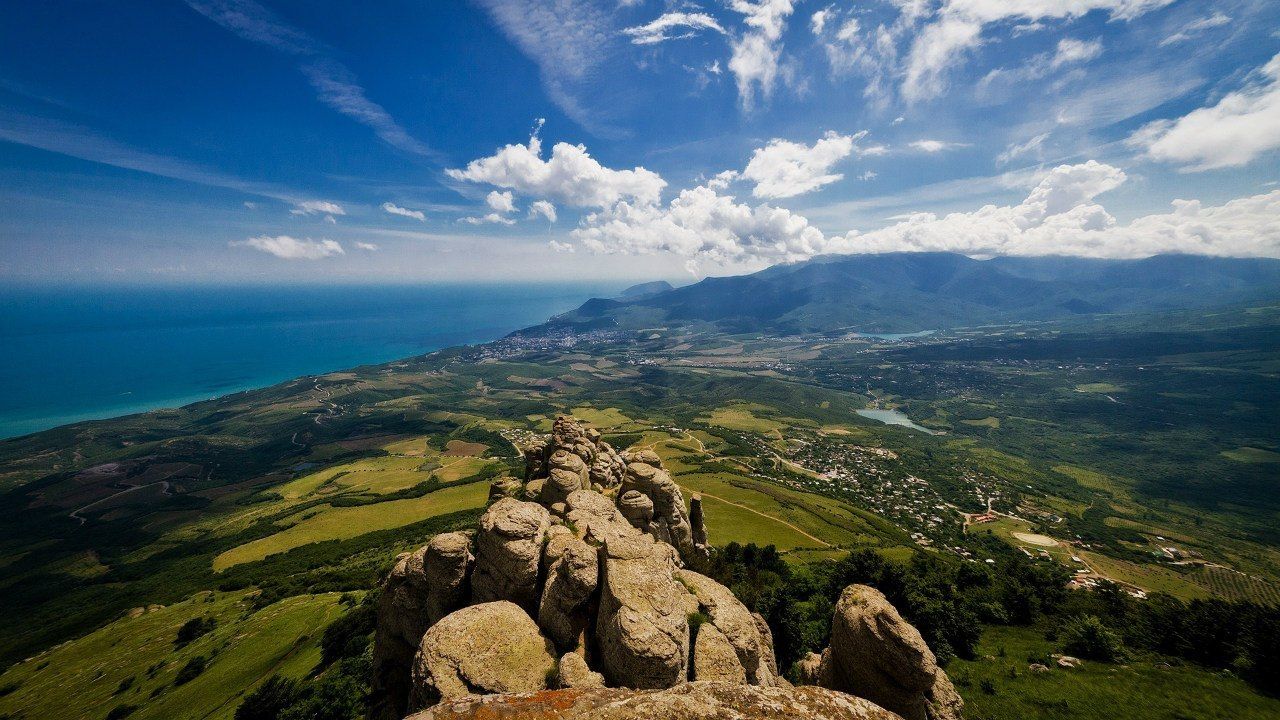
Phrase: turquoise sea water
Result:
[79,353]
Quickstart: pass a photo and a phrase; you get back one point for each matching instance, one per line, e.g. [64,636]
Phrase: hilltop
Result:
[911,292]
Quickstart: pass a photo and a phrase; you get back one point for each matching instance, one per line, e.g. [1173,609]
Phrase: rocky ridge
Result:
[574,598]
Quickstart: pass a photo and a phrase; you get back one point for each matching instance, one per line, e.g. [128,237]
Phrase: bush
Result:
[269,700]
[193,629]
[121,711]
[1088,638]
[191,670]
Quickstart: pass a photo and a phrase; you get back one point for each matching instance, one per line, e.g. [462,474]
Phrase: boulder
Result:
[574,673]
[697,522]
[489,648]
[504,487]
[767,657]
[728,615]
[670,521]
[809,669]
[596,518]
[714,658]
[564,612]
[508,550]
[637,508]
[877,655]
[642,627]
[688,701]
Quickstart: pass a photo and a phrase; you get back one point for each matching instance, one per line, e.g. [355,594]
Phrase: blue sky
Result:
[273,140]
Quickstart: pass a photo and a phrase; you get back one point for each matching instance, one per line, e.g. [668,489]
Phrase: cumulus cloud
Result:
[672,26]
[562,247]
[935,146]
[289,248]
[503,202]
[1059,216]
[703,224]
[785,169]
[1240,127]
[394,209]
[366,246]
[1195,27]
[756,53]
[316,207]
[570,176]
[542,208]
[958,26]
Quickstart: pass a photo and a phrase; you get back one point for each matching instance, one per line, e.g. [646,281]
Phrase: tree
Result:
[1088,637]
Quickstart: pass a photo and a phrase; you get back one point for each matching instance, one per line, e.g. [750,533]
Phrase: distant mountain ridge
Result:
[909,292]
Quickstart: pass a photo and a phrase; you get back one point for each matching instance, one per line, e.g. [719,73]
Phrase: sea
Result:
[86,352]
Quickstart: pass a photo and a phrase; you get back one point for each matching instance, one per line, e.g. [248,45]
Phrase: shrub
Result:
[193,629]
[1088,637]
[269,700]
[121,711]
[191,670]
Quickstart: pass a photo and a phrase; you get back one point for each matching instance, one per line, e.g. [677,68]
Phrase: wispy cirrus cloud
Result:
[335,85]
[393,209]
[672,26]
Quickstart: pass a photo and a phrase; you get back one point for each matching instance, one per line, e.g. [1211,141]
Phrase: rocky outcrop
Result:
[642,627]
[577,578]
[508,550]
[575,673]
[489,648]
[689,701]
[877,655]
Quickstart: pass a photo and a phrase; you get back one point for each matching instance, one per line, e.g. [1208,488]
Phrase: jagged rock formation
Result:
[576,581]
[688,701]
[877,655]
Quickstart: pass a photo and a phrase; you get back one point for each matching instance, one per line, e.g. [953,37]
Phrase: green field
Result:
[1138,690]
[340,523]
[81,680]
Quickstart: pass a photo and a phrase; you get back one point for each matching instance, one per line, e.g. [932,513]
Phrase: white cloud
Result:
[869,175]
[898,120]
[288,248]
[723,179]
[1195,27]
[503,202]
[561,247]
[935,146]
[672,26]
[315,207]
[570,176]
[958,27]
[489,219]
[394,209]
[1069,51]
[366,246]
[1017,150]
[755,58]
[700,223]
[542,208]
[1240,127]
[1059,217]
[818,21]
[784,169]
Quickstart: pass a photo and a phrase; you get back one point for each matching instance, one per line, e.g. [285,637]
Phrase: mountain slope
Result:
[906,292]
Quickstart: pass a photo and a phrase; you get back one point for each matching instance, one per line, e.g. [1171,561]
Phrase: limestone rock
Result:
[489,648]
[508,550]
[767,658]
[596,518]
[809,669]
[670,521]
[877,655]
[637,508]
[714,658]
[504,487]
[574,673]
[697,522]
[642,627]
[563,613]
[731,618]
[688,701]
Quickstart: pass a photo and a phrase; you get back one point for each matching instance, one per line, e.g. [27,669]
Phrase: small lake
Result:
[893,417]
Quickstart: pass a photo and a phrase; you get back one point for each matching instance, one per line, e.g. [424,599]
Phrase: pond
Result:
[893,417]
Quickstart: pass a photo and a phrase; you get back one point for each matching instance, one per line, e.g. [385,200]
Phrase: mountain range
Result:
[910,292]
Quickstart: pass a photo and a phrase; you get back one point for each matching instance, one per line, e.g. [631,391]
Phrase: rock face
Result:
[577,578]
[489,648]
[877,655]
[508,549]
[642,627]
[689,701]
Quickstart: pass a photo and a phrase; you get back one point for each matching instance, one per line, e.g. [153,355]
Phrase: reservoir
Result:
[893,417]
